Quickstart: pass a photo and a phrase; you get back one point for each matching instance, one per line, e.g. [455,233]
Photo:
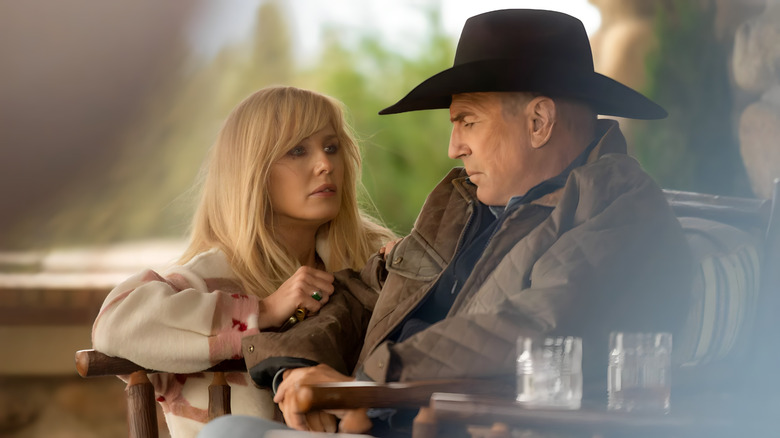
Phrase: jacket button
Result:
[251,348]
[398,260]
[381,364]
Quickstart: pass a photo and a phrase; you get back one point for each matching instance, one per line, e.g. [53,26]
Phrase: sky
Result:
[400,22]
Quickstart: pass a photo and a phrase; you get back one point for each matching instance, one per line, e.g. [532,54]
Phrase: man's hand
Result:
[354,421]
[319,421]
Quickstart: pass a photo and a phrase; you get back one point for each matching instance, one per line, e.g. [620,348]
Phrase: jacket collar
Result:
[611,141]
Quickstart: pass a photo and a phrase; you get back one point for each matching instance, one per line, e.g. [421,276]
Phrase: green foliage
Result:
[695,148]
[405,155]
[149,191]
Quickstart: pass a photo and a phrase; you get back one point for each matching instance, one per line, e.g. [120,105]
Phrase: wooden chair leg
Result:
[219,396]
[141,408]
[425,424]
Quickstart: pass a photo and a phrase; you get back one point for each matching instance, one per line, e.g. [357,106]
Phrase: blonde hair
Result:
[235,207]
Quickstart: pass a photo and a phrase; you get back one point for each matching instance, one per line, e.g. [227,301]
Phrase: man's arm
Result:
[333,336]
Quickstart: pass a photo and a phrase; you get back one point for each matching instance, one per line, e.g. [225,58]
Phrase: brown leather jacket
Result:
[604,252]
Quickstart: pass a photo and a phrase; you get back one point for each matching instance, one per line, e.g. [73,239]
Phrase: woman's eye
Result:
[297,151]
[331,149]
[468,124]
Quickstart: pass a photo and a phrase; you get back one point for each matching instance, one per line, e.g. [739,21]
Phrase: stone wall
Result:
[748,29]
[48,302]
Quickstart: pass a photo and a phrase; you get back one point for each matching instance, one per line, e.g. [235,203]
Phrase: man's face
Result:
[494,150]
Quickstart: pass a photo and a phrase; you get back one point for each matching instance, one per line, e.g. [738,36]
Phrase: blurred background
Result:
[107,110]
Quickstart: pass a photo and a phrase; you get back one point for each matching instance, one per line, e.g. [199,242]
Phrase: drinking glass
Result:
[639,372]
[549,372]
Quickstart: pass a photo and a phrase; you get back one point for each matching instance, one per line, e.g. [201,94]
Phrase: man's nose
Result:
[457,148]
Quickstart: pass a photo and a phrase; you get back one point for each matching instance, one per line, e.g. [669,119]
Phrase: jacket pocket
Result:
[415,259]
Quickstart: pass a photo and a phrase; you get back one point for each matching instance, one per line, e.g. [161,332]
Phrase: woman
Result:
[278,214]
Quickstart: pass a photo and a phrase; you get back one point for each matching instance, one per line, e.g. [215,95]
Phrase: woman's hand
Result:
[383,251]
[296,292]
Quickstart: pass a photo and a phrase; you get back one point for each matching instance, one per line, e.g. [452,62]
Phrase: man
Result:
[550,228]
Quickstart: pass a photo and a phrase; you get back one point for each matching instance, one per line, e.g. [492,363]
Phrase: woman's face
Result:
[306,183]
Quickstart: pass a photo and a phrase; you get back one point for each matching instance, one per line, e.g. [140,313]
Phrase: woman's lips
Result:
[324,190]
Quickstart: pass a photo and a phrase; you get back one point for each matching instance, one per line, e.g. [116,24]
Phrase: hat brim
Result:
[605,95]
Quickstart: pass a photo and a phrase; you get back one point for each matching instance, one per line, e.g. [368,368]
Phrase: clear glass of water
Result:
[639,372]
[549,372]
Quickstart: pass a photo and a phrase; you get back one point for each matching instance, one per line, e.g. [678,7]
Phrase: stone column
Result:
[756,67]
[621,45]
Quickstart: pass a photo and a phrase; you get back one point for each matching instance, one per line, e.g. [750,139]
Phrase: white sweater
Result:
[186,320]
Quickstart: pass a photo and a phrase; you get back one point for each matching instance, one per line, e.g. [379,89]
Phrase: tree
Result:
[404,155]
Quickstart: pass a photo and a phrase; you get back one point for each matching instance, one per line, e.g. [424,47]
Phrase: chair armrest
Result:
[141,412]
[740,212]
[352,395]
[91,363]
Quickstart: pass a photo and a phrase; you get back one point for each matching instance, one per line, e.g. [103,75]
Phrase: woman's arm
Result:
[333,337]
[187,320]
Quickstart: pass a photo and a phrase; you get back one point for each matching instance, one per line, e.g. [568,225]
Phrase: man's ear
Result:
[542,116]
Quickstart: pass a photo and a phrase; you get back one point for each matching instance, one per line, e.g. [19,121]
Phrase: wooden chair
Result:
[141,404]
[142,413]
[761,218]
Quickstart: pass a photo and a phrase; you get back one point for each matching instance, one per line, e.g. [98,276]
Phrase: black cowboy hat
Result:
[527,50]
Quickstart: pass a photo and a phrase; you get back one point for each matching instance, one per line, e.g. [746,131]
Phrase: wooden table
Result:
[687,419]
